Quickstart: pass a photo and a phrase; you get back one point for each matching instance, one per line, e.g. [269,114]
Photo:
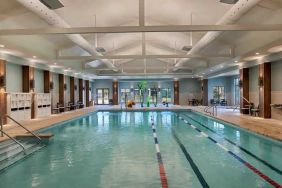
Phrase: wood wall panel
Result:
[115,92]
[244,89]
[3,95]
[87,93]
[80,90]
[28,82]
[72,91]
[176,92]
[265,90]
[48,80]
[62,89]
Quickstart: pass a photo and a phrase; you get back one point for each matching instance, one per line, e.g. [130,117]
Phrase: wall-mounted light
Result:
[31,84]
[89,88]
[65,86]
[240,83]
[83,88]
[2,81]
[51,85]
[260,81]
[75,87]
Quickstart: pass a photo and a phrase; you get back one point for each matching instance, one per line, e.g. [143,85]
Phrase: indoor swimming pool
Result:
[149,149]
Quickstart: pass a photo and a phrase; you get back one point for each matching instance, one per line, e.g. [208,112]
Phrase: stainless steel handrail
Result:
[3,132]
[214,110]
[19,125]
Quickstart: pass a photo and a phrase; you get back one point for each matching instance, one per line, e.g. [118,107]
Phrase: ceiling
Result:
[137,55]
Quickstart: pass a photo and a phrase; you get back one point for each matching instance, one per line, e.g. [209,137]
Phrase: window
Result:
[123,93]
[218,93]
[166,95]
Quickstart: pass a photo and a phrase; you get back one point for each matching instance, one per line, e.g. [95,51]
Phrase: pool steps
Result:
[11,152]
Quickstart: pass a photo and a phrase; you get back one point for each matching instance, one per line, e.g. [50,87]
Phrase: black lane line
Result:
[240,147]
[191,162]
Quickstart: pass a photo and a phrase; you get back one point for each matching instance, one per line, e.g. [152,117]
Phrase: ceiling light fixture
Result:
[257,53]
[2,46]
[34,57]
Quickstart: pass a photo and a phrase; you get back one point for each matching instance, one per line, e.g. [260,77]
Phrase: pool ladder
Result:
[213,112]
[9,136]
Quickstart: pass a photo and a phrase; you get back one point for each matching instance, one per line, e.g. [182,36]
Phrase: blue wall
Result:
[227,82]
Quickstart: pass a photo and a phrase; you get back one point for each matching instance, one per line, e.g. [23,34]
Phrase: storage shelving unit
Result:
[42,105]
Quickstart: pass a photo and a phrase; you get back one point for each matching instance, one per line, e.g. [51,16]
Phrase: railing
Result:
[214,110]
[2,132]
[17,142]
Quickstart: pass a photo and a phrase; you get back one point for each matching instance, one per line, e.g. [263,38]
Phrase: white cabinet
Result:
[19,106]
[42,105]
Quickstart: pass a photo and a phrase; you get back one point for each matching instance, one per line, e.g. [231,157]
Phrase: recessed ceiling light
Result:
[2,46]
[257,53]
[34,57]
[211,70]
[55,63]
[203,73]
[236,61]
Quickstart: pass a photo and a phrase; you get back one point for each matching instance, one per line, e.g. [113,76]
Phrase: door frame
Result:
[103,89]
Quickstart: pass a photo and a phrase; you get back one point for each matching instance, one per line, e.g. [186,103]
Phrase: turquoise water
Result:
[117,149]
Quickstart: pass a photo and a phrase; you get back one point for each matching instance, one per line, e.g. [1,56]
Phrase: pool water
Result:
[118,149]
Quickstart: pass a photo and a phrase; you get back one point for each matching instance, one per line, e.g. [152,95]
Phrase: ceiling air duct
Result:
[52,4]
[229,1]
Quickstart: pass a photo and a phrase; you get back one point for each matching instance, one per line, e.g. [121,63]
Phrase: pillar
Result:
[205,93]
[72,90]
[80,90]
[244,90]
[115,92]
[48,82]
[62,88]
[87,93]
[176,92]
[3,95]
[264,82]
[28,84]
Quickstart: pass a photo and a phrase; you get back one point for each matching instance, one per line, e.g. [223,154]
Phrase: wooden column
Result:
[264,82]
[72,90]
[87,93]
[115,92]
[244,90]
[176,92]
[48,82]
[62,85]
[28,85]
[3,95]
[80,90]
[28,79]
[205,92]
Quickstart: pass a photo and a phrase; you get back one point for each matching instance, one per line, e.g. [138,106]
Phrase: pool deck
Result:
[268,127]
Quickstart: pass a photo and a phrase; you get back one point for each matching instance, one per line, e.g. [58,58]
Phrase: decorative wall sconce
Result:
[75,87]
[260,81]
[31,84]
[51,85]
[240,83]
[2,81]
[65,86]
[89,88]
[83,88]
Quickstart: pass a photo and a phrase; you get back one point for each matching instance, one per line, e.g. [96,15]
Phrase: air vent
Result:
[229,1]
[100,50]
[187,48]
[52,4]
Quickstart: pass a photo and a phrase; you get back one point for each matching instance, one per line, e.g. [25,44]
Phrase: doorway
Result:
[103,96]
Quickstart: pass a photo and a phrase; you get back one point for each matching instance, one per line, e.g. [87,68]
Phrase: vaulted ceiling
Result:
[131,55]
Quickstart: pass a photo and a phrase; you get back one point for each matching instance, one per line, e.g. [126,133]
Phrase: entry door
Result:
[103,96]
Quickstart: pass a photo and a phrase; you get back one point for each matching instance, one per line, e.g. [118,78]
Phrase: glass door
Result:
[103,96]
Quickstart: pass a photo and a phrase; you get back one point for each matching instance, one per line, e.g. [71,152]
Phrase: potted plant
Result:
[142,86]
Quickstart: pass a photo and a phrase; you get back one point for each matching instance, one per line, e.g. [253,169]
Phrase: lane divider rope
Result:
[248,165]
[191,162]
[240,147]
[163,177]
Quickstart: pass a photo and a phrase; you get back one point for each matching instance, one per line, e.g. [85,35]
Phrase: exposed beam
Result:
[138,29]
[88,58]
[141,12]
